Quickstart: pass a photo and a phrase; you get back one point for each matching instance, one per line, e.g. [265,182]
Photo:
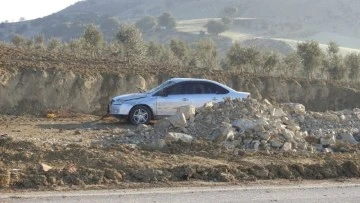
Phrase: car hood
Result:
[127,97]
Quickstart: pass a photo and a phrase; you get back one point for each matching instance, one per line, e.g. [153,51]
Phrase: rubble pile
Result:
[253,125]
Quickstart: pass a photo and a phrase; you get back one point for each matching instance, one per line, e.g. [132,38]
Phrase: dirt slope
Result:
[34,82]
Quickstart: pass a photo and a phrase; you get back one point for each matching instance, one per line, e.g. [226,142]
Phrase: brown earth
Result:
[79,150]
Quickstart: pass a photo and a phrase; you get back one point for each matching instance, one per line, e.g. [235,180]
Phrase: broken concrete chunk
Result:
[188,111]
[174,137]
[178,120]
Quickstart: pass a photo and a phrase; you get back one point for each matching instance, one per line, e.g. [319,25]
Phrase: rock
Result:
[113,174]
[245,123]
[276,143]
[174,137]
[208,105]
[45,167]
[288,134]
[295,108]
[267,102]
[162,124]
[287,147]
[279,126]
[157,144]
[188,111]
[327,150]
[348,137]
[178,120]
[278,113]
[224,133]
[256,144]
[261,173]
[265,136]
[328,141]
[143,128]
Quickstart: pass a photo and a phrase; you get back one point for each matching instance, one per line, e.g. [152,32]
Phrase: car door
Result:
[171,99]
[203,92]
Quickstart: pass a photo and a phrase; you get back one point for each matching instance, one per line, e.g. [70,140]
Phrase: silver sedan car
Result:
[164,100]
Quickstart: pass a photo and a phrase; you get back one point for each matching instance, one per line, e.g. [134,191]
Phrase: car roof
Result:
[190,79]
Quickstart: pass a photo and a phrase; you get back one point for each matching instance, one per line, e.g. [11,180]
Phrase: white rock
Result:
[267,102]
[329,140]
[342,117]
[295,108]
[188,111]
[327,150]
[287,147]
[178,120]
[208,105]
[45,167]
[293,128]
[174,137]
[279,126]
[277,113]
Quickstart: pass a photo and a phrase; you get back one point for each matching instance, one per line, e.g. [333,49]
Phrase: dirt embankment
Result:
[33,82]
[34,91]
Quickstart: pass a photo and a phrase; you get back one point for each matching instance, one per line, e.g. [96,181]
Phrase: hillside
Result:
[300,19]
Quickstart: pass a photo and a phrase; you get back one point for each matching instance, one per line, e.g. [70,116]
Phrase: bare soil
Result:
[81,151]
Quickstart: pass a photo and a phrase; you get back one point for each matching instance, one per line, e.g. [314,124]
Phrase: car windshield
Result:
[163,85]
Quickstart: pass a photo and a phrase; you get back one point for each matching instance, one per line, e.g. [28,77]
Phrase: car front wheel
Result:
[140,115]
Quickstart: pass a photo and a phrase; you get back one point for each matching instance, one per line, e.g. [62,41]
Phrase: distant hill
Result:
[297,19]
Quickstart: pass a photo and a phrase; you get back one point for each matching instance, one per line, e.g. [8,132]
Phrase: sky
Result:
[13,10]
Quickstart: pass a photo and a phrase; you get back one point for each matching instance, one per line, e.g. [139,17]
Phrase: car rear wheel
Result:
[140,115]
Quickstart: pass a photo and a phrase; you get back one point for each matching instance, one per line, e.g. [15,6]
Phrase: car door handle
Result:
[185,99]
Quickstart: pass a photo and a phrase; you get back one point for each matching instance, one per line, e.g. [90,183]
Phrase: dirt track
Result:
[83,152]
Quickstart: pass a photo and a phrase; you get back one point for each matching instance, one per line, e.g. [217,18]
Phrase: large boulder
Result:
[178,120]
[188,111]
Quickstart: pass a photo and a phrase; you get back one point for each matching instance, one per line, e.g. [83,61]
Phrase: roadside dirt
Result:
[80,151]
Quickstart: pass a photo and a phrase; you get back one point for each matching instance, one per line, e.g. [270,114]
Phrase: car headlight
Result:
[117,102]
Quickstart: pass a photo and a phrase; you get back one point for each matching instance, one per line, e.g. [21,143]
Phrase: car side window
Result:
[175,89]
[194,88]
[211,88]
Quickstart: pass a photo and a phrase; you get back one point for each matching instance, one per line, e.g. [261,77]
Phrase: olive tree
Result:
[215,27]
[129,36]
[311,56]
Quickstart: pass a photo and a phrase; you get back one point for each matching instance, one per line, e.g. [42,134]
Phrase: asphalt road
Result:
[300,193]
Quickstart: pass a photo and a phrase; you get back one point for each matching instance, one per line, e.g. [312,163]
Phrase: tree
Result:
[40,41]
[93,39]
[147,24]
[180,50]
[206,55]
[18,40]
[226,20]
[230,11]
[54,44]
[270,62]
[292,64]
[167,20]
[241,57]
[129,36]
[215,27]
[311,55]
[352,63]
[333,63]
